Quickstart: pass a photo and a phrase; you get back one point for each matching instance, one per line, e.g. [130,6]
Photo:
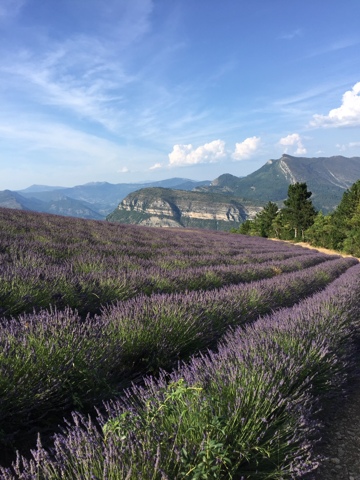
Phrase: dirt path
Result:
[319,249]
[340,444]
[324,250]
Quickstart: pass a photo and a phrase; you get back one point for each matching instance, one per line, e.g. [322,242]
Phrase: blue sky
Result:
[136,90]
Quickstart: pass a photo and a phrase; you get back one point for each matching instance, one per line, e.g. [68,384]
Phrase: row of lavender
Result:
[244,412]
[25,289]
[49,260]
[56,360]
[52,362]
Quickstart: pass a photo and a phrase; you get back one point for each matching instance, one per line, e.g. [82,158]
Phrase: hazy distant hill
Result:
[327,178]
[65,206]
[9,199]
[99,197]
[38,188]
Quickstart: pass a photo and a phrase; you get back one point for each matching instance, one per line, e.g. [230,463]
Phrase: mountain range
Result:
[326,177]
[92,200]
[228,200]
[219,204]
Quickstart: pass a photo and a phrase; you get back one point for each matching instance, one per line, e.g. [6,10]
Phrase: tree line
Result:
[299,221]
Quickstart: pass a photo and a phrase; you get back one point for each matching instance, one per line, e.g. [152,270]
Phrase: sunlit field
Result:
[136,353]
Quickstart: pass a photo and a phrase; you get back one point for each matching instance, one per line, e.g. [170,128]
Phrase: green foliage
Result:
[299,211]
[352,240]
[342,218]
[321,232]
[281,228]
[262,225]
[341,229]
[288,223]
[245,228]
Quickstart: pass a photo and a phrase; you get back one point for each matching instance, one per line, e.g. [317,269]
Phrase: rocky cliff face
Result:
[174,208]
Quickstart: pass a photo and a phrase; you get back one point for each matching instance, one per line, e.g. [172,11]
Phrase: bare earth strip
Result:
[340,443]
[324,250]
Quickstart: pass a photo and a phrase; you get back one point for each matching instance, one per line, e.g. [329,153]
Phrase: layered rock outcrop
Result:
[175,208]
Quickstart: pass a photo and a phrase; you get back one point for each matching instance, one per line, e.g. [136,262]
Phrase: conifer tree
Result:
[299,211]
[263,220]
[342,217]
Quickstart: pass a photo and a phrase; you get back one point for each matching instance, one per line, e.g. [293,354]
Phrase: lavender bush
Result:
[244,411]
[56,360]
[49,260]
[123,302]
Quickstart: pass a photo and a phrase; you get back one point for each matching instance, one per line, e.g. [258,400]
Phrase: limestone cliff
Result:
[164,207]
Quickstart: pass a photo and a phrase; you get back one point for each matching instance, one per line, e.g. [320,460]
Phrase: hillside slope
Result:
[326,177]
[163,207]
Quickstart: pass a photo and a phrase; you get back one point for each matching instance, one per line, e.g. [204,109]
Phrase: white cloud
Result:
[246,148]
[293,139]
[348,114]
[188,155]
[155,166]
[123,170]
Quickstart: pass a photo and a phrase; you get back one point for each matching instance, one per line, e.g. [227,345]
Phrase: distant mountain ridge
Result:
[326,177]
[94,200]
[229,200]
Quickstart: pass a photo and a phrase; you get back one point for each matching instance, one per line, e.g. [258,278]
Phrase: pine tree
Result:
[262,224]
[299,211]
[341,218]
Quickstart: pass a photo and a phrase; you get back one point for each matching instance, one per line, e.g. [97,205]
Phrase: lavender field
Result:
[138,353]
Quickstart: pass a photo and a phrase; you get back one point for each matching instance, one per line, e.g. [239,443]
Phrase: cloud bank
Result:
[348,114]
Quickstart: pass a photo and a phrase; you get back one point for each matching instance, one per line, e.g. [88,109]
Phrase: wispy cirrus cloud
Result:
[37,135]
[79,79]
[86,74]
[336,45]
[74,155]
